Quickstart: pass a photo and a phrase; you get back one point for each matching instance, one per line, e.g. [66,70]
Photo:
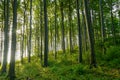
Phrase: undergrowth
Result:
[66,67]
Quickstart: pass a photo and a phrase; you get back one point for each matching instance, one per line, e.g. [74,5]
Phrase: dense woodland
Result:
[60,39]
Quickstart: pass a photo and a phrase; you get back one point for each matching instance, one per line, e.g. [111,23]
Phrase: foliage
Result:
[65,66]
[67,69]
[28,71]
[112,57]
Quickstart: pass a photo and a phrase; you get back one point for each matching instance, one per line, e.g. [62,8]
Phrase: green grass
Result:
[66,67]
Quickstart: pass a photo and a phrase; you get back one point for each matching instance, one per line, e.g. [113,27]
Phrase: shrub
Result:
[79,69]
[112,57]
[30,70]
[113,53]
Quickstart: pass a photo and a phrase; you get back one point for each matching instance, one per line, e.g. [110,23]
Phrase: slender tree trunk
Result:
[23,30]
[55,29]
[91,33]
[46,35]
[34,42]
[1,44]
[30,36]
[51,35]
[112,23]
[70,27]
[27,38]
[13,45]
[41,24]
[79,32]
[85,31]
[62,26]
[102,23]
[119,20]
[102,20]
[6,36]
[38,44]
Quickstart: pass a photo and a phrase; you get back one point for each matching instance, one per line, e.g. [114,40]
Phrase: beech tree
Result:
[46,34]
[79,32]
[13,43]
[91,33]
[6,35]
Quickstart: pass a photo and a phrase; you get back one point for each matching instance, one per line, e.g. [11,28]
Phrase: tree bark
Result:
[23,30]
[41,24]
[70,27]
[6,36]
[62,26]
[30,35]
[112,24]
[102,24]
[46,35]
[13,45]
[91,33]
[79,32]
[55,29]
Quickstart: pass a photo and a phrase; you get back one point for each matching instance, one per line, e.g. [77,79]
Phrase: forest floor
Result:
[66,70]
[66,67]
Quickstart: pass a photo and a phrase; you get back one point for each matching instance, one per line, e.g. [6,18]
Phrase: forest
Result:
[59,39]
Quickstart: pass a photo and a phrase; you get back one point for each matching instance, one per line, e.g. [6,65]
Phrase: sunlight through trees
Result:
[58,32]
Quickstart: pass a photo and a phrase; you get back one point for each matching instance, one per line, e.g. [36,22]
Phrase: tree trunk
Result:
[91,33]
[70,27]
[6,36]
[13,45]
[112,24]
[79,33]
[85,39]
[41,24]
[62,26]
[55,29]
[23,30]
[2,41]
[102,24]
[30,35]
[46,35]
